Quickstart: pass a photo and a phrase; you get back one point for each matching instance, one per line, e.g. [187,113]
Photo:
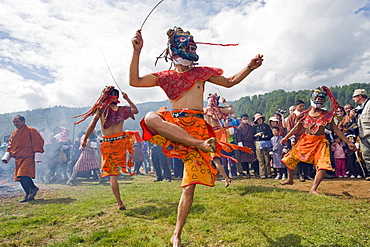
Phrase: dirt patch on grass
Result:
[356,188]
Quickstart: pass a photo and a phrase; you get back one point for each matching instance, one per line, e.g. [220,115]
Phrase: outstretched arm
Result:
[90,128]
[134,109]
[135,79]
[291,132]
[238,77]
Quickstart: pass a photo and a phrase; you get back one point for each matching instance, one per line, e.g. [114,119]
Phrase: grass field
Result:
[249,213]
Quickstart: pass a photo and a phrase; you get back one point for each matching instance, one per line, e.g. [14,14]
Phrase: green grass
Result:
[248,213]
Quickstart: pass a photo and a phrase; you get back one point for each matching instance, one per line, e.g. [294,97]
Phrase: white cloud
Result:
[50,50]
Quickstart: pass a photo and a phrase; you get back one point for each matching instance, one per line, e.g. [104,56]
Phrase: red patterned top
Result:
[314,123]
[115,117]
[175,84]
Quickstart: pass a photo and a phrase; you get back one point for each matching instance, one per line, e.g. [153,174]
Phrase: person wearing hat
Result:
[275,121]
[363,121]
[262,134]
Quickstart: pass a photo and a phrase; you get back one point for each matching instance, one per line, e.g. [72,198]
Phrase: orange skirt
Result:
[197,164]
[114,154]
[310,149]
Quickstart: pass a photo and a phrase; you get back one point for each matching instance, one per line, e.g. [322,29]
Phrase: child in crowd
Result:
[353,167]
[277,153]
[339,157]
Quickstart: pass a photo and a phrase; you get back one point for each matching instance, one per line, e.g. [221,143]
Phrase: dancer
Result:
[183,132]
[313,147]
[214,114]
[115,143]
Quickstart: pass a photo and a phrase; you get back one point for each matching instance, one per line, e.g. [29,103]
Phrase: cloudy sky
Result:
[51,50]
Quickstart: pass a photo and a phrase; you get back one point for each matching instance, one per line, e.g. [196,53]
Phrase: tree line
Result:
[268,103]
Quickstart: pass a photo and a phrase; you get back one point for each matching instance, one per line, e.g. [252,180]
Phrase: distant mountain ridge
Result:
[49,118]
[268,103]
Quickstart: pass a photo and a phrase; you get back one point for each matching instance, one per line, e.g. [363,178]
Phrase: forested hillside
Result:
[268,103]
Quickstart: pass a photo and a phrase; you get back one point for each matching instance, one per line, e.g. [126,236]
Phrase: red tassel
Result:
[202,43]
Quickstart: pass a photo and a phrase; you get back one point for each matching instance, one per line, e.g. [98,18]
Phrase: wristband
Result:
[249,67]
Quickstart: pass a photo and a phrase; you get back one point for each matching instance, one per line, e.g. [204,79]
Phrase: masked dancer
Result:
[115,143]
[313,147]
[182,131]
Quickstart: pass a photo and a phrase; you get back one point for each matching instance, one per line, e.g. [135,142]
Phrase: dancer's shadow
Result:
[66,200]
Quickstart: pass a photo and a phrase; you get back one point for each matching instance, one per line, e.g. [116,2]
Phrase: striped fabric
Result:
[87,160]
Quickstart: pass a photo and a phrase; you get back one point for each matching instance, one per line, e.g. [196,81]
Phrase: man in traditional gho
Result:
[313,147]
[363,120]
[182,131]
[116,142]
[26,146]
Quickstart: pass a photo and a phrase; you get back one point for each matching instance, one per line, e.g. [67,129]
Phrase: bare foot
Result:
[227,182]
[175,241]
[287,182]
[208,145]
[121,206]
[314,192]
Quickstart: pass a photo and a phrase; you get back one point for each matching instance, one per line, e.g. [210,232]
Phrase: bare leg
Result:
[290,178]
[221,170]
[71,179]
[178,134]
[320,174]
[115,189]
[183,210]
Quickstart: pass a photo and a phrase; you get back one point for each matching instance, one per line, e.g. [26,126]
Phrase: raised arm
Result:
[135,79]
[134,109]
[238,77]
[228,108]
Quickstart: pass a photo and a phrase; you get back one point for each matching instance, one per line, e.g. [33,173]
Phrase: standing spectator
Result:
[285,119]
[339,158]
[146,152]
[178,167]
[138,158]
[347,117]
[86,162]
[277,153]
[363,120]
[262,134]
[160,165]
[339,116]
[292,120]
[26,145]
[229,164]
[245,138]
[353,167]
[275,121]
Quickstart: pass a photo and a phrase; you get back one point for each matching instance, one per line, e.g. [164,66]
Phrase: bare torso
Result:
[112,129]
[315,113]
[192,99]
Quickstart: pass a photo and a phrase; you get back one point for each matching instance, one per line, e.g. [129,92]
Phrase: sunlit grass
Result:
[248,213]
